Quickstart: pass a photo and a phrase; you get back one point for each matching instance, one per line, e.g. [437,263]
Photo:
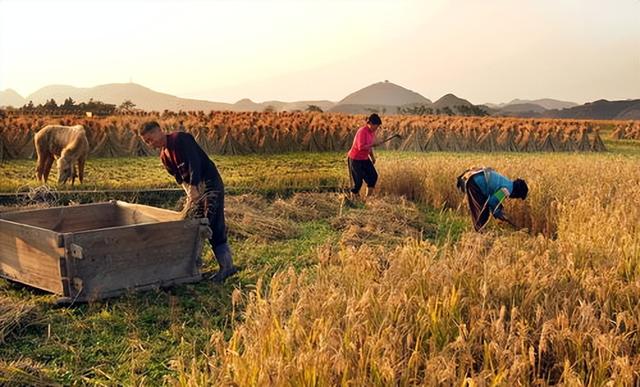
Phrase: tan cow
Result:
[66,143]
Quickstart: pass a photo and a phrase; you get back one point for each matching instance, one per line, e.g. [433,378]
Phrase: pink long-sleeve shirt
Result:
[362,144]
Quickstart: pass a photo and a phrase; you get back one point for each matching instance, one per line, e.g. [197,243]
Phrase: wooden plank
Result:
[159,214]
[30,255]
[131,216]
[67,219]
[86,297]
[134,256]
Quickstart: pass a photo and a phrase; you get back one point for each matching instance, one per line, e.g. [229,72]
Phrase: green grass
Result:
[296,170]
[130,339]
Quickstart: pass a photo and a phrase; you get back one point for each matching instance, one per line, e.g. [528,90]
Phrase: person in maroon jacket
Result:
[191,167]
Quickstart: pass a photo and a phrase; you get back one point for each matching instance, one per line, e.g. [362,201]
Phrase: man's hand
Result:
[193,195]
[192,191]
[187,209]
[373,158]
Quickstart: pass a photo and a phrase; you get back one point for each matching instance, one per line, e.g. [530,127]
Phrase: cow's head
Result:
[65,170]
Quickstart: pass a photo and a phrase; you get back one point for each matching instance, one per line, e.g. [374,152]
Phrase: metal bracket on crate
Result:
[77,283]
[76,251]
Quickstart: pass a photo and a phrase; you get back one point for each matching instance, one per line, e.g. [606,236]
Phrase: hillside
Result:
[10,97]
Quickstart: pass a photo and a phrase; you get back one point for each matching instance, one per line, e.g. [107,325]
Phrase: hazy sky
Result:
[223,50]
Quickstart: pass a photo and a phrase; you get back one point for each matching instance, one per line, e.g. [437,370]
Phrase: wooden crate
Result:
[94,251]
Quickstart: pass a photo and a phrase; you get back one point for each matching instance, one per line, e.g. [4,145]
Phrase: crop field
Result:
[399,291]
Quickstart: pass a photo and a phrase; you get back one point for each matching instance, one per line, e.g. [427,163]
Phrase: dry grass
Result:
[496,308]
[554,303]
[307,206]
[24,372]
[247,216]
[384,221]
[15,317]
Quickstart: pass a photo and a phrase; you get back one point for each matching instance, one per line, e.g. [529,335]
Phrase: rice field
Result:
[399,291]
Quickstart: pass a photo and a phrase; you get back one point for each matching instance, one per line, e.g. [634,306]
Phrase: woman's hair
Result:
[374,119]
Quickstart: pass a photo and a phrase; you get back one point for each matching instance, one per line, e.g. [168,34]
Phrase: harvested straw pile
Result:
[384,221]
[248,217]
[304,207]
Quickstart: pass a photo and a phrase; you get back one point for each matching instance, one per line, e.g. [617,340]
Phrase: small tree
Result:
[51,104]
[314,108]
[269,109]
[126,107]
[69,103]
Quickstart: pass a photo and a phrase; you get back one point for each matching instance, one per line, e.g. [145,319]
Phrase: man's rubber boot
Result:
[223,256]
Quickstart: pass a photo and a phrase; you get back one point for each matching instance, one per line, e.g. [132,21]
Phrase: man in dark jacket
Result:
[191,167]
[486,189]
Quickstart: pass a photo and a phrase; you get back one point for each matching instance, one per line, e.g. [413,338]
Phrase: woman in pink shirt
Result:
[361,159]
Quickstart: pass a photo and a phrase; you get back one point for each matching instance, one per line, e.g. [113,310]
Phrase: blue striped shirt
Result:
[489,182]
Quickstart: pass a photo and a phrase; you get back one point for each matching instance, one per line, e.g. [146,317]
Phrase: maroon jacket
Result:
[187,162]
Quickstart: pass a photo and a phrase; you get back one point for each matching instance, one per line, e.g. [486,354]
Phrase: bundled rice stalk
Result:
[598,144]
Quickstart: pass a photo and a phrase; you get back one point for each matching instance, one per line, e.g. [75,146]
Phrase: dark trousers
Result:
[362,170]
[477,204]
[211,206]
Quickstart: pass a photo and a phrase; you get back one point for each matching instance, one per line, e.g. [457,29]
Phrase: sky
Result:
[225,50]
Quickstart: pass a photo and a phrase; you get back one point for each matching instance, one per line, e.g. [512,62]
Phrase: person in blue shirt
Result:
[486,189]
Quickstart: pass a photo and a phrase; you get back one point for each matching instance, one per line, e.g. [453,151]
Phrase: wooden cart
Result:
[94,251]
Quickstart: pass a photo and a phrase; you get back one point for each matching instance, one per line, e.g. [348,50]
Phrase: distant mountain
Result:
[515,109]
[630,113]
[382,94]
[382,97]
[147,99]
[450,101]
[546,103]
[116,93]
[10,97]
[601,110]
[298,105]
[364,109]
[246,105]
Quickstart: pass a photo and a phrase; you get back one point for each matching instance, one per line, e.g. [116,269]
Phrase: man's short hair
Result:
[148,127]
[520,189]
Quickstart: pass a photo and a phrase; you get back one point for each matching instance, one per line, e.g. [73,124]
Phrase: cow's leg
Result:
[81,161]
[47,167]
[74,174]
[40,164]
